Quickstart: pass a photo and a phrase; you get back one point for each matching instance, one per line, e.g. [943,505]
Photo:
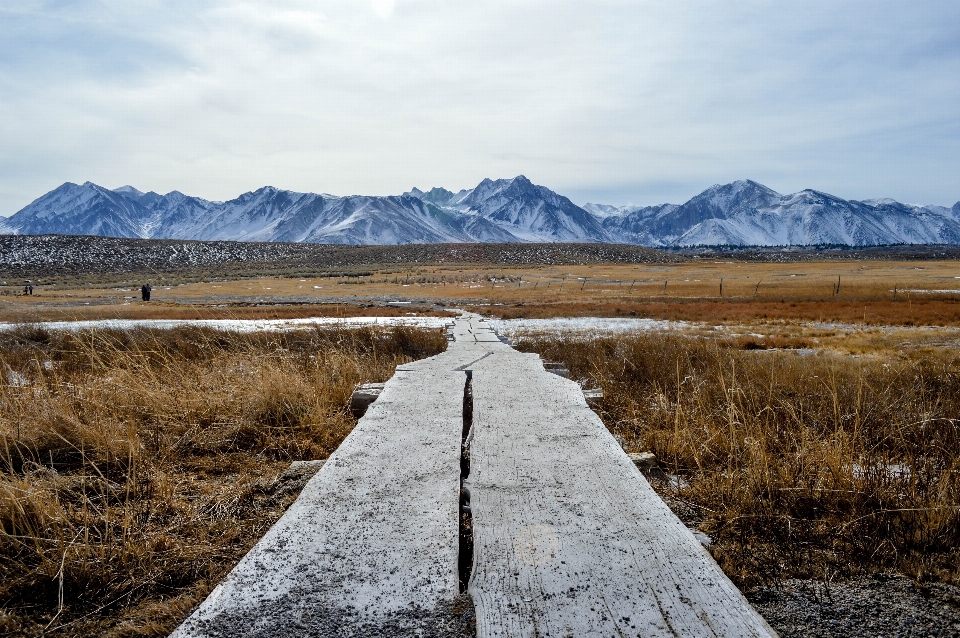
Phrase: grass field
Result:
[816,433]
[875,293]
[796,464]
[137,467]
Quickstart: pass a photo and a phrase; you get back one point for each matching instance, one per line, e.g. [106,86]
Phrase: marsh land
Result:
[805,417]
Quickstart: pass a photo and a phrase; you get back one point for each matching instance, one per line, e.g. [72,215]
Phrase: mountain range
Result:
[743,213]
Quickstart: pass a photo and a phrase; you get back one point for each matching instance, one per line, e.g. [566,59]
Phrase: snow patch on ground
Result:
[582,325]
[244,325]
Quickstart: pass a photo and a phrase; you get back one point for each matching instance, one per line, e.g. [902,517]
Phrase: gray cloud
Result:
[634,101]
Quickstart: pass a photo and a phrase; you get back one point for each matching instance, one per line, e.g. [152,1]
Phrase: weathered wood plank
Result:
[569,538]
[472,328]
[371,544]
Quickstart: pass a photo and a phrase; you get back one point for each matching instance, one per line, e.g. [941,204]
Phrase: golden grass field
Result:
[815,434]
[881,292]
[796,463]
[136,468]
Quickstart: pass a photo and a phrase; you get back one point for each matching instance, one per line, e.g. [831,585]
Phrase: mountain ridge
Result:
[741,213]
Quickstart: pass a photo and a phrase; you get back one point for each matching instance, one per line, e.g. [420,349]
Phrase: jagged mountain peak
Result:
[746,212]
[269,190]
[148,199]
[439,196]
[488,188]
[175,196]
[748,183]
[744,188]
[722,200]
[518,182]
[743,212]
[100,189]
[530,212]
[62,188]
[816,197]
[260,194]
[85,190]
[606,210]
[85,209]
[884,201]
[719,202]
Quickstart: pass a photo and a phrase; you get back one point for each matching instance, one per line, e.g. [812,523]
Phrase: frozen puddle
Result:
[243,325]
[584,325]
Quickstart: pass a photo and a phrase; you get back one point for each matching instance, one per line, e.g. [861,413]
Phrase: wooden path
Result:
[568,537]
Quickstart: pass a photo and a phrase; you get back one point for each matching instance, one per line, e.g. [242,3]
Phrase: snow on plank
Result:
[371,544]
[569,538]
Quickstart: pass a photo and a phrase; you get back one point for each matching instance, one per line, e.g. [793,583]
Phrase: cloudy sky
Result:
[614,102]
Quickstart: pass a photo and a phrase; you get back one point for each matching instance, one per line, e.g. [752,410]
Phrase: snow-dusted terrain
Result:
[496,211]
[742,213]
[584,326]
[62,254]
[524,210]
[244,325]
[746,213]
[31,256]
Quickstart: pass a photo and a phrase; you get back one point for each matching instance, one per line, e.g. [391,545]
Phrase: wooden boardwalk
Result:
[569,539]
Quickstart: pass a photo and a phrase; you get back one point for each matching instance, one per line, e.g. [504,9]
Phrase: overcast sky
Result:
[612,102]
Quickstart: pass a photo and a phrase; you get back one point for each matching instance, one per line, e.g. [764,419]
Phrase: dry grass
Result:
[822,465]
[871,312]
[137,467]
[872,292]
[42,308]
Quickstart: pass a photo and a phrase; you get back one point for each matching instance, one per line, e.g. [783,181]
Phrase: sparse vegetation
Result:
[870,311]
[137,467]
[797,464]
[99,260]
[811,438]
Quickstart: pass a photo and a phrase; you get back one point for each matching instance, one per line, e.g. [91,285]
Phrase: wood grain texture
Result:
[569,538]
[371,544]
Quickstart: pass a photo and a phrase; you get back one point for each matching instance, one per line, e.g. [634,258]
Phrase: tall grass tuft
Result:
[806,465]
[136,467]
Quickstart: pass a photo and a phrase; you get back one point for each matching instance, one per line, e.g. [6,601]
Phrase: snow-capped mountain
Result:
[87,209]
[269,214]
[602,211]
[745,213]
[527,211]
[496,211]
[504,210]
